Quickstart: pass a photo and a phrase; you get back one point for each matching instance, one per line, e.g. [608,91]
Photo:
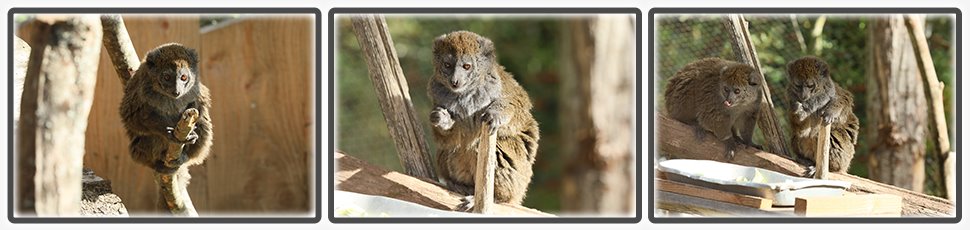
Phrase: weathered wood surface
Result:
[823,145]
[485,164]
[934,90]
[849,205]
[712,194]
[355,175]
[677,140]
[58,91]
[596,119]
[896,106]
[118,46]
[393,94]
[260,71]
[774,136]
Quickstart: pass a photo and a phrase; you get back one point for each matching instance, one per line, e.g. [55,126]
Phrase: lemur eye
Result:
[448,65]
[184,77]
[811,86]
[737,91]
[466,66]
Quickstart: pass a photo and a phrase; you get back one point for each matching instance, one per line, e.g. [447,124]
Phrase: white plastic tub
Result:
[780,188]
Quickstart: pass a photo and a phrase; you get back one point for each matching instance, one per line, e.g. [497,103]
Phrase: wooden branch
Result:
[677,140]
[119,47]
[823,145]
[182,130]
[934,91]
[173,193]
[354,175]
[392,91]
[57,97]
[485,173]
[775,140]
[173,188]
[934,86]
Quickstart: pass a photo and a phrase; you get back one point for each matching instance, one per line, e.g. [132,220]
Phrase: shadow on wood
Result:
[355,175]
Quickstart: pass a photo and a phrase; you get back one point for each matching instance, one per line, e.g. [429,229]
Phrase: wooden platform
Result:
[675,197]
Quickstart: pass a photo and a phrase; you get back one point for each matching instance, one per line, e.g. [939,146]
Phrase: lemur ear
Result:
[439,44]
[753,78]
[487,48]
[193,55]
[149,61]
[823,69]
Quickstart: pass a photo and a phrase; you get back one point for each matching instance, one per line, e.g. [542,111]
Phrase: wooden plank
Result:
[710,208]
[260,71]
[713,194]
[677,141]
[823,144]
[485,164]
[355,175]
[851,205]
[106,144]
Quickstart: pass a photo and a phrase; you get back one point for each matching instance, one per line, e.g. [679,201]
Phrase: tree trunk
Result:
[57,96]
[896,106]
[597,93]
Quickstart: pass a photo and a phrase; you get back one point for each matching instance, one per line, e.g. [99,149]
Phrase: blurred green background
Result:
[778,39]
[528,47]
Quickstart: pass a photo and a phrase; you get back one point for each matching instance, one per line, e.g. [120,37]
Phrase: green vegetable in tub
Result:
[355,212]
[758,178]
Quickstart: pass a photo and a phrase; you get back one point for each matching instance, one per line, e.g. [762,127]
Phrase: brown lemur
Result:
[815,100]
[718,96]
[165,85]
[469,88]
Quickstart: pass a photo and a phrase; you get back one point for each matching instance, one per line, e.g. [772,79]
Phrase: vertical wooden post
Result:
[823,144]
[392,91]
[775,140]
[934,91]
[485,173]
[58,91]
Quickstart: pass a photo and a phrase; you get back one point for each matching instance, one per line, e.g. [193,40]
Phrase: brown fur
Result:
[487,94]
[697,93]
[150,106]
[823,102]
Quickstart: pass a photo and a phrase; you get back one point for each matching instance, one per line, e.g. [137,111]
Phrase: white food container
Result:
[780,188]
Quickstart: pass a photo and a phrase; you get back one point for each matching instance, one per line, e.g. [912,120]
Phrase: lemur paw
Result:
[494,119]
[467,204]
[441,118]
[828,117]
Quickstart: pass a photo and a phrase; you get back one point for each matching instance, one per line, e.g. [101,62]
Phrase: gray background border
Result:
[636,11]
[315,201]
[959,51]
